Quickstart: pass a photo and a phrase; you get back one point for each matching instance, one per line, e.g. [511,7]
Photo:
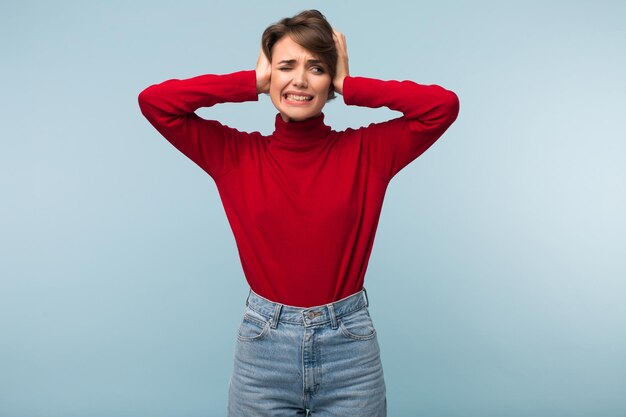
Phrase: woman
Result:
[303,204]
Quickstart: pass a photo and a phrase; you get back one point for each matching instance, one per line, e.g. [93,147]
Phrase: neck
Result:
[308,132]
[288,119]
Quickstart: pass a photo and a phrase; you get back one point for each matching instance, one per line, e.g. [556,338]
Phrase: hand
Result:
[263,74]
[342,60]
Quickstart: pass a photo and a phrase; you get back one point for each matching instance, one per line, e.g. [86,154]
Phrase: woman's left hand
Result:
[342,61]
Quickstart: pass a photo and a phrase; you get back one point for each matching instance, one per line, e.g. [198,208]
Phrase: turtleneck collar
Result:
[305,132]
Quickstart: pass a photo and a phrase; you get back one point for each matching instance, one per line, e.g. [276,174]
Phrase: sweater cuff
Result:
[245,83]
[357,90]
[347,90]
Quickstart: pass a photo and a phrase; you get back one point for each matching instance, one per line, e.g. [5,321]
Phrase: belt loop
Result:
[333,318]
[277,309]
[248,297]
[367,301]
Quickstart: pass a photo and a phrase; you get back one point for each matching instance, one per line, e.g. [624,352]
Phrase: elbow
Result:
[144,97]
[452,106]
[146,100]
[447,112]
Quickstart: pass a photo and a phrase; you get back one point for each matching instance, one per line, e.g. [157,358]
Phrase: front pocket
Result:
[252,328]
[357,325]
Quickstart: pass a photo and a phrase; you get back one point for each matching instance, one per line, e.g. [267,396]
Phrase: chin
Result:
[292,113]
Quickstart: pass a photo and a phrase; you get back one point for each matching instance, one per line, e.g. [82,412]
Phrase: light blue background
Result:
[497,278]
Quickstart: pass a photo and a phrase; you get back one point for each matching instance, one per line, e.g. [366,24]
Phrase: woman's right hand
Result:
[263,74]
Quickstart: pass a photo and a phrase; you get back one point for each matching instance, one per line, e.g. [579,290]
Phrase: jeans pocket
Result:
[254,326]
[357,325]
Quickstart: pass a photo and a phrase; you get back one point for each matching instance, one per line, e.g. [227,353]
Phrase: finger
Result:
[339,38]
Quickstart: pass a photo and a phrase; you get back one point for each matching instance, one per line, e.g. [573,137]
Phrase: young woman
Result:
[303,204]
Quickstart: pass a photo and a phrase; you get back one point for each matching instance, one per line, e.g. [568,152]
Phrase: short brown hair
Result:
[311,30]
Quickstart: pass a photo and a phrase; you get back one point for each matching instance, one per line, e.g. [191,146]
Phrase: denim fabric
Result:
[318,361]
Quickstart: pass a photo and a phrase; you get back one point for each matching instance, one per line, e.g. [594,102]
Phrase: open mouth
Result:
[298,98]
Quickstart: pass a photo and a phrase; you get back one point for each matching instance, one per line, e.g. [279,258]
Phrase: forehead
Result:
[287,49]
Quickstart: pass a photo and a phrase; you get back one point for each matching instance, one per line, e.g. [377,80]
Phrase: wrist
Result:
[262,84]
[339,84]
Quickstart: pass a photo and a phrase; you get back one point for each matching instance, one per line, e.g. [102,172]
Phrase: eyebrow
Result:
[291,61]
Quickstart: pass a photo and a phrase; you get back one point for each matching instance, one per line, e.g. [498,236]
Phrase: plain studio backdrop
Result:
[497,277]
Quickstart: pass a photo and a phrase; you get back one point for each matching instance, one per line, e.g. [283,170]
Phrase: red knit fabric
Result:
[304,202]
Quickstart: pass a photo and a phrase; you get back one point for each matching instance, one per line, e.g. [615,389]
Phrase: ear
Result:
[331,91]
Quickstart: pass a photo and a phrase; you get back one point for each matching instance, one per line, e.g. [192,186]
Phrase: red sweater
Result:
[304,202]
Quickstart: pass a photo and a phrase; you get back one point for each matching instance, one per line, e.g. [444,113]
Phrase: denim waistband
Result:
[307,316]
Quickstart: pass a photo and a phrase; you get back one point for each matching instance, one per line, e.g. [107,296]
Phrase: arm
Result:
[428,111]
[170,106]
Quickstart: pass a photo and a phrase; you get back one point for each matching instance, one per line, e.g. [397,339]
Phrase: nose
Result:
[299,78]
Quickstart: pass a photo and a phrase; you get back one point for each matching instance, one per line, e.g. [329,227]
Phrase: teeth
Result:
[298,98]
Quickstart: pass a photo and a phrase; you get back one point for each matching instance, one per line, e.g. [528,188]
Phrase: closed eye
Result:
[317,70]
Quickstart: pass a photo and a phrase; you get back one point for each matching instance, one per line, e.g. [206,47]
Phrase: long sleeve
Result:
[170,106]
[428,111]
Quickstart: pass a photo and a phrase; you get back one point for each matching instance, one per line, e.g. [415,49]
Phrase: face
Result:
[299,82]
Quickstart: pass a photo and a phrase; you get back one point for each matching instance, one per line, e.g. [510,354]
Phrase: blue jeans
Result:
[319,361]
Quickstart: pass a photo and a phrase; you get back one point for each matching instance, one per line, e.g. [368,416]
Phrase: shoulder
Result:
[236,132]
[387,126]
